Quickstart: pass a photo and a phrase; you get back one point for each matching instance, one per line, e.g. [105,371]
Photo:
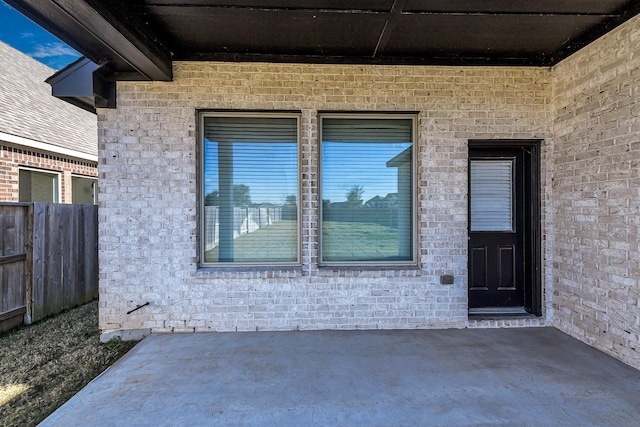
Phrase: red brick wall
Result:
[11,159]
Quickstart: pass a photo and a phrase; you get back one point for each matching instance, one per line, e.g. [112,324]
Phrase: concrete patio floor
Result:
[514,377]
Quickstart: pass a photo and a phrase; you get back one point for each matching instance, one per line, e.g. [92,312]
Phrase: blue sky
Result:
[363,164]
[269,181]
[18,31]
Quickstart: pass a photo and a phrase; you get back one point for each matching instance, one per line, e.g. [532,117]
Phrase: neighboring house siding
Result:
[149,195]
[38,131]
[596,194]
[13,159]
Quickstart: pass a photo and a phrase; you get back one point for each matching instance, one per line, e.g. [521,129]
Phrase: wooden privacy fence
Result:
[48,260]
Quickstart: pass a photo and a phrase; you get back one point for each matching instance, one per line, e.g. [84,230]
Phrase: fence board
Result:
[28,263]
[12,265]
[8,224]
[39,261]
[11,285]
[91,253]
[48,259]
[13,292]
[70,270]
[52,298]
[68,254]
[5,302]
[79,248]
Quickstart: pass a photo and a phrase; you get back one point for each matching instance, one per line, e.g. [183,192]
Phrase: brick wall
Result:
[12,159]
[148,199]
[596,194]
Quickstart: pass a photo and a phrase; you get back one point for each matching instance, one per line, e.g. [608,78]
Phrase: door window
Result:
[492,195]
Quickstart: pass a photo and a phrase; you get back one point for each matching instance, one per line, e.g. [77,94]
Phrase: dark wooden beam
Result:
[389,26]
[427,59]
[104,32]
[594,33]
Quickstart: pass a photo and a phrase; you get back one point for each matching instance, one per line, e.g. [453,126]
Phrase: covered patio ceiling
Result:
[138,39]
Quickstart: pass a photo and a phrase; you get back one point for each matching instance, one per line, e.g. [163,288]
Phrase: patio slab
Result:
[455,377]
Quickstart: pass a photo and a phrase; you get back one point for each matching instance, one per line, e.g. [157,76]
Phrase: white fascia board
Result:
[43,146]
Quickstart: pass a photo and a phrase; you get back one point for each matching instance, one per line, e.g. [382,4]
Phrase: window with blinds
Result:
[366,190]
[250,189]
[491,195]
[37,186]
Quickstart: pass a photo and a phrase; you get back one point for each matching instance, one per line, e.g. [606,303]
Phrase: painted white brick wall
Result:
[596,194]
[148,201]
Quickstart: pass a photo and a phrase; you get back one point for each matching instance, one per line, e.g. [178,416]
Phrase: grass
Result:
[45,364]
[341,241]
[276,243]
[358,241]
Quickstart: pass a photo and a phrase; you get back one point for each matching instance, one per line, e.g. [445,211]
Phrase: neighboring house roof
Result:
[29,115]
[401,159]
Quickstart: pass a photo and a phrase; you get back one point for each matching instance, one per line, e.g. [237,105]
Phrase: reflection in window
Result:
[250,184]
[84,191]
[366,190]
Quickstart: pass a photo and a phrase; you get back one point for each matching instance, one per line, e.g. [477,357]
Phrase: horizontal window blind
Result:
[367,130]
[251,129]
[251,189]
[491,195]
[366,190]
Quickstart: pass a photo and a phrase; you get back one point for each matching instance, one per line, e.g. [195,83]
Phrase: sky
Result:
[268,181]
[363,164]
[23,34]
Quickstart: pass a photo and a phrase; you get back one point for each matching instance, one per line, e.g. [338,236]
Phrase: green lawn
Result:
[275,243]
[341,241]
[358,241]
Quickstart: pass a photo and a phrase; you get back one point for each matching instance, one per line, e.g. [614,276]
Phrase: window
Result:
[367,190]
[249,189]
[36,186]
[84,191]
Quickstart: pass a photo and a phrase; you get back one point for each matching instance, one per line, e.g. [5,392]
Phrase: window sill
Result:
[373,271]
[245,272]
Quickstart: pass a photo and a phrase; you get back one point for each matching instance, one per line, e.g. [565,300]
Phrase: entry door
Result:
[500,229]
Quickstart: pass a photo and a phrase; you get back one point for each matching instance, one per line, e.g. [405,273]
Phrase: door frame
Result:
[533,220]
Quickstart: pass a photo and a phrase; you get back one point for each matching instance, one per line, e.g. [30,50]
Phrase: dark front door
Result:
[501,226]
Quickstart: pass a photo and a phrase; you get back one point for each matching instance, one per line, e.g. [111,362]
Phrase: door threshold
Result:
[500,312]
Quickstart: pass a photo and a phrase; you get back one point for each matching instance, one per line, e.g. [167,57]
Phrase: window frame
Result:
[201,116]
[413,262]
[58,182]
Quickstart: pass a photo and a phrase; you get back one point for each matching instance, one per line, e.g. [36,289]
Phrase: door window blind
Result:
[491,195]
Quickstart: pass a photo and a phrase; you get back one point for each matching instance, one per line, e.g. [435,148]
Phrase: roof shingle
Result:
[28,110]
